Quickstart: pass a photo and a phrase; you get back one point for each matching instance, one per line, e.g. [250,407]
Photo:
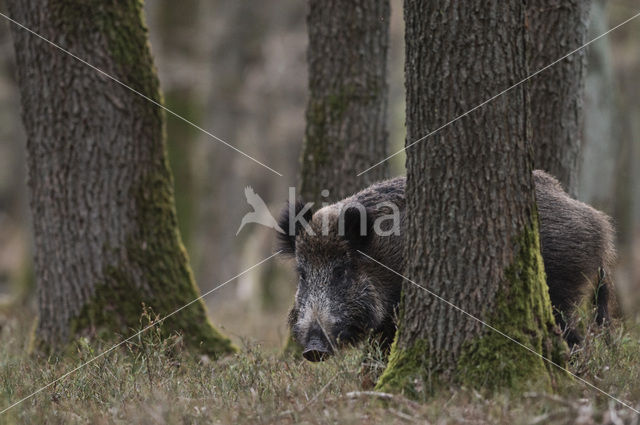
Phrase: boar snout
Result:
[318,347]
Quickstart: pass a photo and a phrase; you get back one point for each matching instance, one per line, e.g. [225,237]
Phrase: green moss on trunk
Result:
[321,143]
[157,277]
[407,369]
[492,361]
[523,312]
[117,308]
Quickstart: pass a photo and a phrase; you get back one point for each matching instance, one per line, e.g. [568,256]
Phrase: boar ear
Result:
[357,229]
[287,240]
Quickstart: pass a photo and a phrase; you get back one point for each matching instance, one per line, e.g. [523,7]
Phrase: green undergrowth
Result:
[154,380]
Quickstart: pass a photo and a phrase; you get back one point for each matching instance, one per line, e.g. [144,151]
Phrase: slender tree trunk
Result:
[177,52]
[16,269]
[223,173]
[601,141]
[472,232]
[606,171]
[347,109]
[101,191]
[556,28]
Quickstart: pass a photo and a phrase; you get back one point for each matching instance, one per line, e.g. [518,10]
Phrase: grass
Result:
[154,381]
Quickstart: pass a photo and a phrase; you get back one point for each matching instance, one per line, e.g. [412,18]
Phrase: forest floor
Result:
[152,381]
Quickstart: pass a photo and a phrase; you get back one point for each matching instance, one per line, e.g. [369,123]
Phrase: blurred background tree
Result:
[346,116]
[556,94]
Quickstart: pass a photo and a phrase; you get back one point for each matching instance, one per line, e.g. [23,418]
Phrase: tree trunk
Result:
[347,109]
[177,52]
[472,227]
[601,141]
[224,174]
[554,29]
[17,288]
[101,191]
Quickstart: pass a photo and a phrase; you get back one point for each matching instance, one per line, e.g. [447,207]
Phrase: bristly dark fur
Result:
[286,240]
[352,228]
[578,252]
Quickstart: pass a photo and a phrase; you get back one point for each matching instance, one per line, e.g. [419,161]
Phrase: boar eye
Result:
[339,272]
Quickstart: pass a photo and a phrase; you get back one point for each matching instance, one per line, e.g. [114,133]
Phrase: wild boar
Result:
[342,297]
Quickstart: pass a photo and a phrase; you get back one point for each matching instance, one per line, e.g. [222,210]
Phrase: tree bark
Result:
[472,232]
[347,108]
[101,190]
[554,29]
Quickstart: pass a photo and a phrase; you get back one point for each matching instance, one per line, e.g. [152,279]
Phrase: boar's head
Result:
[338,300]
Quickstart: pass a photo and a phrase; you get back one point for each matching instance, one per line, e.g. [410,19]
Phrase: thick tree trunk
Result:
[472,232]
[554,29]
[347,109]
[106,237]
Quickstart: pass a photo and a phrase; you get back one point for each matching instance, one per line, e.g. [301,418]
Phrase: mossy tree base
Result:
[472,228]
[524,314]
[119,310]
[407,370]
[509,356]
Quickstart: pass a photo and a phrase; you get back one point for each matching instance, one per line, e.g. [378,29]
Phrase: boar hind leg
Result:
[562,294]
[569,334]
